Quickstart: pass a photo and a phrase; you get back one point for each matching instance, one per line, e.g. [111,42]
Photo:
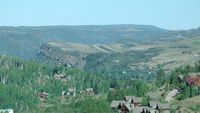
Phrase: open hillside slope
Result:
[25,41]
[190,105]
[124,57]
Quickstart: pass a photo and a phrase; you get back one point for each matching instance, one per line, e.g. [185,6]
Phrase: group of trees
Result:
[137,88]
[120,65]
[173,81]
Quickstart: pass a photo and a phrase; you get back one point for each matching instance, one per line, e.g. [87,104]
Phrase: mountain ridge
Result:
[25,41]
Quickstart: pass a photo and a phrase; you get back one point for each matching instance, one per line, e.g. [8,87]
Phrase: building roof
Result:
[162,106]
[154,103]
[197,83]
[71,90]
[128,106]
[166,111]
[165,106]
[141,108]
[89,89]
[115,103]
[181,76]
[135,99]
[193,80]
[129,98]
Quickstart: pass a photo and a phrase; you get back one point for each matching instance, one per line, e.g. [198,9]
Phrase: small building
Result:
[115,103]
[153,104]
[144,109]
[135,100]
[121,106]
[193,80]
[164,106]
[159,106]
[6,110]
[71,92]
[42,96]
[88,91]
[62,77]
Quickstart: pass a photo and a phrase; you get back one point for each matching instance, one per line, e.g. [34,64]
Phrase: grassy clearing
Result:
[190,105]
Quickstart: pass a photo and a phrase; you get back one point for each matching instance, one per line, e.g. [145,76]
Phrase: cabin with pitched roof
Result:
[193,79]
[161,107]
[42,96]
[121,106]
[88,91]
[133,104]
[135,100]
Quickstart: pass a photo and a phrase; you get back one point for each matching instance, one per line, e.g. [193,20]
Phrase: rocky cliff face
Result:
[66,58]
[71,54]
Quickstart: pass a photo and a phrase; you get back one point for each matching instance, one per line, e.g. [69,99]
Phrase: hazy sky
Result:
[170,14]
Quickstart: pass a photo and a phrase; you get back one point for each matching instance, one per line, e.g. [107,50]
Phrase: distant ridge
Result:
[25,41]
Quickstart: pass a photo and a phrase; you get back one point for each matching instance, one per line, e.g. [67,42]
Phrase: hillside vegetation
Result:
[25,41]
[22,81]
[126,58]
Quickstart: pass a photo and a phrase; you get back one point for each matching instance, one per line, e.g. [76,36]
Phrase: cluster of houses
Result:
[42,96]
[62,77]
[71,92]
[134,104]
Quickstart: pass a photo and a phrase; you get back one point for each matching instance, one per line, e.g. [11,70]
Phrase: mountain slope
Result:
[124,57]
[25,41]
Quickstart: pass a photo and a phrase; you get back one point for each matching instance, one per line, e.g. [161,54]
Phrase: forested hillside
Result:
[23,82]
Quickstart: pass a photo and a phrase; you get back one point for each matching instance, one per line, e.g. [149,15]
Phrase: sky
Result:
[168,14]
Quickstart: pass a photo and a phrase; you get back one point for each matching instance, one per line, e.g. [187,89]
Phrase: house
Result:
[62,77]
[164,106]
[125,108]
[161,107]
[115,103]
[153,104]
[122,106]
[135,100]
[64,93]
[127,104]
[6,110]
[197,83]
[42,96]
[193,80]
[133,104]
[88,91]
[71,92]
[143,109]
